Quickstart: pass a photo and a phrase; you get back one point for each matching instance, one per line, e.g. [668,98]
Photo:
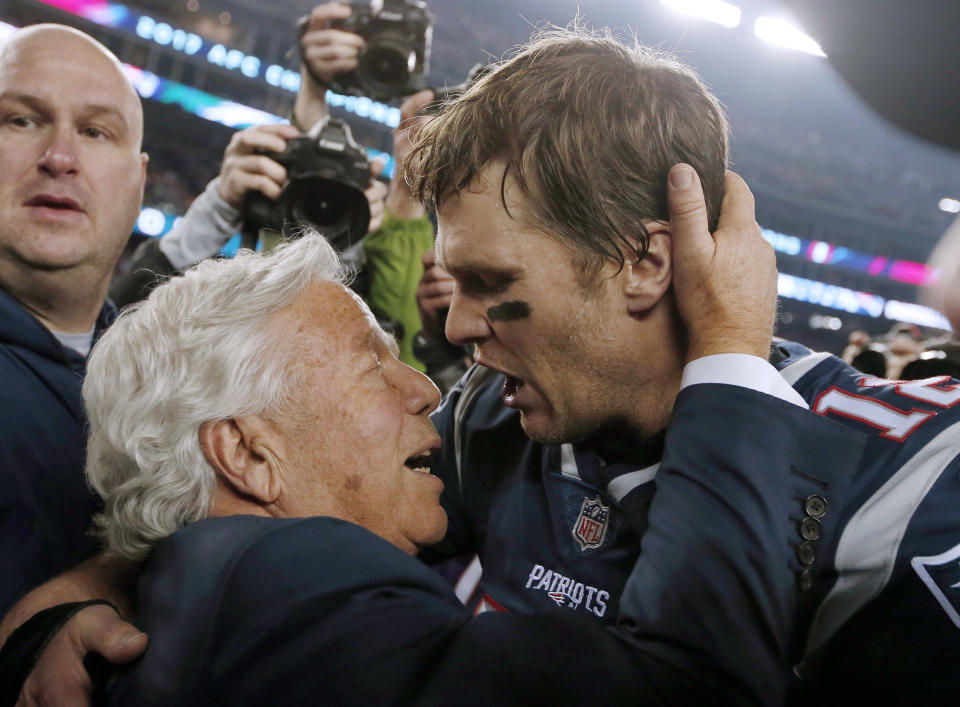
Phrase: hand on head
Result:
[726,282]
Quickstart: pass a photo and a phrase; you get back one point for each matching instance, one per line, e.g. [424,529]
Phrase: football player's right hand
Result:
[59,678]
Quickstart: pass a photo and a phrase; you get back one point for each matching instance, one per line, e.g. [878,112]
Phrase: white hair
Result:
[196,351]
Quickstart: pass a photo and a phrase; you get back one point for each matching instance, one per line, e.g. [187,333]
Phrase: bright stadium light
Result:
[782,33]
[951,206]
[723,13]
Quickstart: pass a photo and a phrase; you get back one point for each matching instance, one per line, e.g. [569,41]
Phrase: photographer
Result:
[385,55]
[393,253]
[399,232]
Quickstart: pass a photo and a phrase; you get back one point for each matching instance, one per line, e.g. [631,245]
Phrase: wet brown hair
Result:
[588,127]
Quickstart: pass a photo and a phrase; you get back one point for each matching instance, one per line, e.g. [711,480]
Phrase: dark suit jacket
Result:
[256,611]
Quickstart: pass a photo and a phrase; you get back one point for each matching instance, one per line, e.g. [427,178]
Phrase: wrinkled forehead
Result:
[491,228]
[59,63]
[332,321]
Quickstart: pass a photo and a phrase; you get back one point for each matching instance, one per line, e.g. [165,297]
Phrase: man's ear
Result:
[246,453]
[647,280]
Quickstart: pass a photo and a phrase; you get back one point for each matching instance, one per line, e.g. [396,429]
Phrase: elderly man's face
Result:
[71,171]
[359,427]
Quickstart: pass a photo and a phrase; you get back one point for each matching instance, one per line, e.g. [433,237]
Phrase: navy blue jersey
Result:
[560,525]
[548,532]
[887,627]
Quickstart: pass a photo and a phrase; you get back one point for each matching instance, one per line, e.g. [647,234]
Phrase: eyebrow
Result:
[481,268]
[41,106]
[388,340]
[375,336]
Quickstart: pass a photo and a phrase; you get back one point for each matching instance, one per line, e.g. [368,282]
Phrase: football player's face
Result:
[519,300]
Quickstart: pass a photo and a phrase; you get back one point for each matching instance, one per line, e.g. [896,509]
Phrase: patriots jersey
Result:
[549,531]
[560,526]
[884,628]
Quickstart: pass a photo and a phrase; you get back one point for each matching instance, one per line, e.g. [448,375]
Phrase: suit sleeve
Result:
[716,587]
[706,617]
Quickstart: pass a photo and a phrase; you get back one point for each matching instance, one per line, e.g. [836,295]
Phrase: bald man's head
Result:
[75,46]
[71,170]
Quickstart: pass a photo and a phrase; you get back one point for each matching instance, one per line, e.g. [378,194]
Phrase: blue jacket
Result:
[45,504]
[246,610]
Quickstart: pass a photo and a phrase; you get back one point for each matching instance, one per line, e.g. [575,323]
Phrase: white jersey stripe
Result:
[871,539]
[621,485]
[568,462]
[919,566]
[796,370]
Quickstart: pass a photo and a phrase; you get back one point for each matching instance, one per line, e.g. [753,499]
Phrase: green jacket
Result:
[394,267]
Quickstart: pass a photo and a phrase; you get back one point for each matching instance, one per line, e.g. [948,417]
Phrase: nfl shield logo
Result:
[590,530]
[941,574]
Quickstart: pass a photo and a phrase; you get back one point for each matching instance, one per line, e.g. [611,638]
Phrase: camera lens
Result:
[322,211]
[386,65]
[339,211]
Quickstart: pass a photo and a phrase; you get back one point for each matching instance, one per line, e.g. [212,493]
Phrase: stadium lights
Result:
[951,206]
[723,13]
[782,33]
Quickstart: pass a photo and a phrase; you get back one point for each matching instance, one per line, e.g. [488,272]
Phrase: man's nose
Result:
[422,395]
[466,322]
[60,156]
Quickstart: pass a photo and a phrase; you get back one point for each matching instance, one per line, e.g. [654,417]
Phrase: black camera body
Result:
[396,58]
[327,174]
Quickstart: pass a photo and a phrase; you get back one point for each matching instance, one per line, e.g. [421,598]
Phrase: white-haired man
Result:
[254,435]
[71,188]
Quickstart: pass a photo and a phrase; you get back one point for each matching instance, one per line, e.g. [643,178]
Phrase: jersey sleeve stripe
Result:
[797,370]
[871,540]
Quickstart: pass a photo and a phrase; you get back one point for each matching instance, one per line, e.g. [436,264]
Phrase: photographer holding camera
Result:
[379,49]
[333,50]
[274,176]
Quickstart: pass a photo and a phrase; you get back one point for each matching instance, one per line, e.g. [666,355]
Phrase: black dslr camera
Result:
[396,58]
[326,176]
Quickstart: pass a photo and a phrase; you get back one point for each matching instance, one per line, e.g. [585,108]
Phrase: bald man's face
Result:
[71,170]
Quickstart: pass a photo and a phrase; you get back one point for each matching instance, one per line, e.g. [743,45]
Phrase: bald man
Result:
[71,186]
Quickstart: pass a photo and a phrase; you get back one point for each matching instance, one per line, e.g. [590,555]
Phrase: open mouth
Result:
[421,463]
[511,387]
[54,202]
